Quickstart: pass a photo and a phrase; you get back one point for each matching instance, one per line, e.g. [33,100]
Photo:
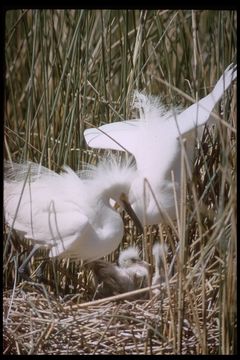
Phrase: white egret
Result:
[131,273]
[155,140]
[71,216]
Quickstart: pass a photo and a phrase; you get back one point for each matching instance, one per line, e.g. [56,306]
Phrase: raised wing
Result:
[115,136]
[199,113]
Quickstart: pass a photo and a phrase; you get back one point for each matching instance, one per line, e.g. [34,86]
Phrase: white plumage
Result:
[71,216]
[155,142]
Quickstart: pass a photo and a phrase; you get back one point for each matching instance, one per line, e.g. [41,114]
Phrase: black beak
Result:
[127,207]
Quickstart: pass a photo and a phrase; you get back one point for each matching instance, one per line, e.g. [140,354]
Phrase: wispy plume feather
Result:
[149,106]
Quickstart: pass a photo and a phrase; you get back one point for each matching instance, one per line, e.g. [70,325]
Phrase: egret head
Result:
[137,269]
[128,257]
[112,181]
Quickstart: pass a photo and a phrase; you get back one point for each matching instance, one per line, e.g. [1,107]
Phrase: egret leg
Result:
[22,268]
[39,273]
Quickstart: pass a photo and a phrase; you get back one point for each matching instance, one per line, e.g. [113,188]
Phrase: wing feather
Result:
[115,136]
[198,114]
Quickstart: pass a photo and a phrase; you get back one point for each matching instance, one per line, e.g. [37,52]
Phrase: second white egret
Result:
[155,140]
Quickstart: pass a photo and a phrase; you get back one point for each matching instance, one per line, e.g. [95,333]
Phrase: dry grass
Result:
[40,324]
[67,70]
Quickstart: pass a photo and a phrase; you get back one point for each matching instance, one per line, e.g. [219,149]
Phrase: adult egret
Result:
[155,140]
[130,273]
[71,216]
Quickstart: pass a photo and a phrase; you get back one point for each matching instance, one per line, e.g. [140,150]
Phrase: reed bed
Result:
[40,324]
[67,70]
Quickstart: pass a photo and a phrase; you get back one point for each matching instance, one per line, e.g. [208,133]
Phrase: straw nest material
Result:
[37,322]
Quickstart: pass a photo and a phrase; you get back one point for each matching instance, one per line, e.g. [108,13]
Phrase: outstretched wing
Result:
[124,135]
[115,136]
[199,113]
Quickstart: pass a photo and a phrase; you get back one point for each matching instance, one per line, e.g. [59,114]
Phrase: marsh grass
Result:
[67,70]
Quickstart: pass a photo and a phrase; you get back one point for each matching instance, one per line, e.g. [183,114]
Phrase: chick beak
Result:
[145,264]
[127,207]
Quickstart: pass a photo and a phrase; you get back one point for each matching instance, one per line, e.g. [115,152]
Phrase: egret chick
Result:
[158,252]
[155,140]
[65,213]
[131,273]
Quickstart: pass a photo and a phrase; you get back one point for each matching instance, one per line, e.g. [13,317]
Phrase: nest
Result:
[37,322]
[187,315]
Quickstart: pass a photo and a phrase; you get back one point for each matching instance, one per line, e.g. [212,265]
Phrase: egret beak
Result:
[127,207]
[145,264]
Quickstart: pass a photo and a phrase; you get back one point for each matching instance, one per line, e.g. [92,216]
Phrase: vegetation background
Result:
[67,70]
